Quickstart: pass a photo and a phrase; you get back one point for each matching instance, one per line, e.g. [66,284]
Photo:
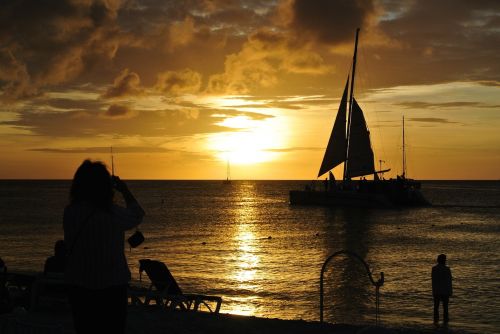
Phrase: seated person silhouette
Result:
[50,288]
[5,305]
[57,262]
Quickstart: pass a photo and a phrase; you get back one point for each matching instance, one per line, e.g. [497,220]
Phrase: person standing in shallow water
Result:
[94,232]
[441,287]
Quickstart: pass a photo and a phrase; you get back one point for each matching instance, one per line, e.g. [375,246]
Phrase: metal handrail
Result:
[377,284]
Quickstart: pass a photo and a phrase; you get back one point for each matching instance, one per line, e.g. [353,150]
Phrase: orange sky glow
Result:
[181,88]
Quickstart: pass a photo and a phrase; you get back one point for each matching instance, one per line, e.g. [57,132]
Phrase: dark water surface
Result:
[243,241]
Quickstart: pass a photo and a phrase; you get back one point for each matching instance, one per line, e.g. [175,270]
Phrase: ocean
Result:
[244,242]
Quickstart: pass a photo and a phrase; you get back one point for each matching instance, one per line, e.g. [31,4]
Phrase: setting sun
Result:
[250,141]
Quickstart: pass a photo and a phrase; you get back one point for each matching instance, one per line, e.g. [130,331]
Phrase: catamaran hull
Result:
[375,194]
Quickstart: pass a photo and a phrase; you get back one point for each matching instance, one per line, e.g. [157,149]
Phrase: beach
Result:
[154,320]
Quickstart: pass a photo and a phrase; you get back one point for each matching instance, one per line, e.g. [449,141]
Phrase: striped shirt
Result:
[95,240]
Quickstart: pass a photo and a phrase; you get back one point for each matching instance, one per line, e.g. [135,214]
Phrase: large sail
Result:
[360,158]
[335,151]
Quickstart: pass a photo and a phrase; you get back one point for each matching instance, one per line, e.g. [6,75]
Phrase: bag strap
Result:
[82,225]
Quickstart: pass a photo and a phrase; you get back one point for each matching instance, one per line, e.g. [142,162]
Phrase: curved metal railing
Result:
[377,284]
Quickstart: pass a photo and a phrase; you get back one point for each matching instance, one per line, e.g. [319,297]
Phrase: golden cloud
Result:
[260,61]
[179,82]
[126,83]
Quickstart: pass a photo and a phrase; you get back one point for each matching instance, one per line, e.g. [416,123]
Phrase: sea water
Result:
[244,242]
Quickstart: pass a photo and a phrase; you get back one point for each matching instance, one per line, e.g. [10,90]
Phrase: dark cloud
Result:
[440,41]
[238,47]
[492,83]
[116,149]
[331,22]
[118,111]
[144,123]
[50,42]
[428,105]
[431,120]
[127,83]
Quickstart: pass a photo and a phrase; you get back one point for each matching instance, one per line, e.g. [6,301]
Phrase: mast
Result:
[404,151]
[112,162]
[351,97]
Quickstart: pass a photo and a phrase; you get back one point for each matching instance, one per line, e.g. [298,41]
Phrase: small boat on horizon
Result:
[351,145]
[228,174]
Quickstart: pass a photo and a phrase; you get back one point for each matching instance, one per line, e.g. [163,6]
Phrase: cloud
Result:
[69,104]
[116,149]
[119,111]
[271,104]
[249,68]
[427,105]
[330,22]
[178,82]
[14,74]
[432,120]
[295,149]
[127,83]
[51,42]
[181,33]
[253,116]
[457,42]
[120,121]
[304,62]
[263,57]
[492,83]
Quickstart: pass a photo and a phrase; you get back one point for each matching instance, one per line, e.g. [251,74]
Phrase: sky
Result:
[182,89]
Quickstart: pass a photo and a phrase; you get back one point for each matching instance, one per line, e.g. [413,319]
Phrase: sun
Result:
[249,142]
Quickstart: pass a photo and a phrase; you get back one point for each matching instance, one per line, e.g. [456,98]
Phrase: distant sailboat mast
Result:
[112,162]
[404,151]
[351,98]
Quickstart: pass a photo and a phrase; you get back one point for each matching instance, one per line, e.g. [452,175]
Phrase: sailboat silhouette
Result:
[351,145]
[228,173]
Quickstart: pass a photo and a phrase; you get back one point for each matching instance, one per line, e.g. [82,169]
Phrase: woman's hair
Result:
[92,184]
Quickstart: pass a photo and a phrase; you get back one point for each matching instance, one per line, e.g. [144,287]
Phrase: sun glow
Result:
[242,148]
[252,141]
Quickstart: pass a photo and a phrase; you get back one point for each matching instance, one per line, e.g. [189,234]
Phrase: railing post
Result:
[377,284]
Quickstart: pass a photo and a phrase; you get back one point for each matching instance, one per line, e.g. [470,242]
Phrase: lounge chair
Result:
[165,291]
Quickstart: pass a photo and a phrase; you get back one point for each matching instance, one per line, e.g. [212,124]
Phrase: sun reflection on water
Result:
[247,260]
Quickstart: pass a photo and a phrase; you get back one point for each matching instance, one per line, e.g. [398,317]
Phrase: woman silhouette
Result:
[94,232]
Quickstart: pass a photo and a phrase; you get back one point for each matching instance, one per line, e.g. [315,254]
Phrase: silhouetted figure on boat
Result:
[331,181]
[57,262]
[94,231]
[441,287]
